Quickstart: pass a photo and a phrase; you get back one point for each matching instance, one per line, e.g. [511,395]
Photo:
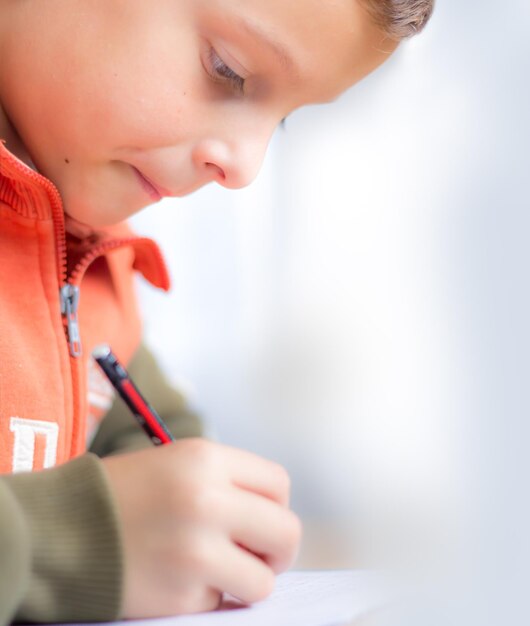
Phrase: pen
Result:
[144,413]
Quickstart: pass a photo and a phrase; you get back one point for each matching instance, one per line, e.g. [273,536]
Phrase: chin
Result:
[88,217]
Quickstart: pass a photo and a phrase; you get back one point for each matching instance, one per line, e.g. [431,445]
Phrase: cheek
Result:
[146,91]
[88,98]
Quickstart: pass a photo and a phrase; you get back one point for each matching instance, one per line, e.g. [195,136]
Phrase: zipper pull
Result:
[69,304]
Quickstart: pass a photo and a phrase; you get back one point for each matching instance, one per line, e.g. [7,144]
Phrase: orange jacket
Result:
[53,286]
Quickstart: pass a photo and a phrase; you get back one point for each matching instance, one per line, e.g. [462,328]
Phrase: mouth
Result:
[154,191]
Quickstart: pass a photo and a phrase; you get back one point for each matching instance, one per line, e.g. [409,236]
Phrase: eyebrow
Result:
[255,31]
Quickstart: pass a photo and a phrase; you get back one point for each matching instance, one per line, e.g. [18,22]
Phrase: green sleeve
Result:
[120,432]
[15,562]
[61,547]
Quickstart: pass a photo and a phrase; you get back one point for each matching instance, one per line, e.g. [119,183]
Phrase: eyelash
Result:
[222,71]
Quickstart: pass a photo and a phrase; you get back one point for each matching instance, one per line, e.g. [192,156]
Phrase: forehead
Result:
[323,45]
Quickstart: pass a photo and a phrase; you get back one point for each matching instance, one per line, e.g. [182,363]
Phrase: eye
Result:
[220,71]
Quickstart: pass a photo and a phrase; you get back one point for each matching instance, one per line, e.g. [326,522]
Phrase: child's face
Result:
[185,91]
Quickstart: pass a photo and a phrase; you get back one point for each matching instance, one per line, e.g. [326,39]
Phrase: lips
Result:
[154,191]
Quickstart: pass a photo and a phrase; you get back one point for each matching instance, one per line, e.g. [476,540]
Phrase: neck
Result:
[8,132]
[12,140]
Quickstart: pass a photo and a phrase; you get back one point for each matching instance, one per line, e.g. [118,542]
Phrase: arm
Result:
[60,540]
[60,545]
[119,431]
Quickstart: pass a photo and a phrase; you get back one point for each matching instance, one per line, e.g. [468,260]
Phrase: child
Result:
[105,107]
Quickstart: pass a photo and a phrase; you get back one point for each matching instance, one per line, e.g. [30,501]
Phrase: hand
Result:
[199,519]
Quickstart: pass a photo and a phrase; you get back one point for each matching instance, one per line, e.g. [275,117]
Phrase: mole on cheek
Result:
[66,161]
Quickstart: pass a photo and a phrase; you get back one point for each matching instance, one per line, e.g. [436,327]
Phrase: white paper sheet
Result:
[301,598]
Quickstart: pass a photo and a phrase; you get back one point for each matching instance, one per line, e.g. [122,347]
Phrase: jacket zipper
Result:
[60,241]
[69,303]
[68,293]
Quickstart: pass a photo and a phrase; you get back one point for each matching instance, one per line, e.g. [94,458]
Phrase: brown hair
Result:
[400,19]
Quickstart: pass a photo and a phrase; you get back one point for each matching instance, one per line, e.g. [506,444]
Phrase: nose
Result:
[233,164]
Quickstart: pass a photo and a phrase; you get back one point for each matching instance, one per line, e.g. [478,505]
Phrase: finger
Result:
[254,473]
[196,599]
[270,531]
[240,573]
[184,601]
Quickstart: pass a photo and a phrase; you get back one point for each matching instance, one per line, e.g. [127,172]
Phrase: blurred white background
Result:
[359,313]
